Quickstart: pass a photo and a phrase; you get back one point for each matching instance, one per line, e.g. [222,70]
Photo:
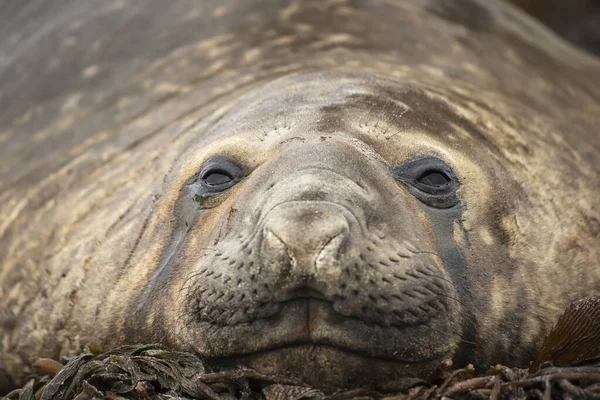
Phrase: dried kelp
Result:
[143,372]
[152,372]
[575,337]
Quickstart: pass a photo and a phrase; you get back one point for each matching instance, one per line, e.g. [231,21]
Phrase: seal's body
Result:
[349,191]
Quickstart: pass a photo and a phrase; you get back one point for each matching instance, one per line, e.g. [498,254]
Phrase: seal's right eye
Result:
[217,175]
[217,178]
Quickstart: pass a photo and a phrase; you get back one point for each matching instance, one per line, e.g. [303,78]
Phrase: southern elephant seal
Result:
[350,191]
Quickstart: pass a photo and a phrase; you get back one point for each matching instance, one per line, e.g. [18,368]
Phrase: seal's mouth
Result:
[329,367]
[319,346]
[310,320]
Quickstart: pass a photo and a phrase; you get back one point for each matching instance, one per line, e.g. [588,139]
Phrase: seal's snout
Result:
[305,241]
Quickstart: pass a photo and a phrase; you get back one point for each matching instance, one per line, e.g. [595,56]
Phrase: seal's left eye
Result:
[429,179]
[433,181]
[434,178]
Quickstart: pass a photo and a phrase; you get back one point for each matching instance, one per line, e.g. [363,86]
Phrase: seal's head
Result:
[320,237]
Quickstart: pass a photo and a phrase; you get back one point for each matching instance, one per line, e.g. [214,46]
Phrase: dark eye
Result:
[434,179]
[430,180]
[217,175]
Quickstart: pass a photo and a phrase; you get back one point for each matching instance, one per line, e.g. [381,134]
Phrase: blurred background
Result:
[576,20]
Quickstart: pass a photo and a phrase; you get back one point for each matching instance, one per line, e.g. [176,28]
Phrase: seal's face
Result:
[313,266]
[315,250]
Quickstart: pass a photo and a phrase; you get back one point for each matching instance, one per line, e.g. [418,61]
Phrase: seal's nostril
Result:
[277,252]
[272,240]
[327,262]
[331,249]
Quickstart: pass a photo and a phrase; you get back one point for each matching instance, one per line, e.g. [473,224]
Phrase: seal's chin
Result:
[329,369]
[309,340]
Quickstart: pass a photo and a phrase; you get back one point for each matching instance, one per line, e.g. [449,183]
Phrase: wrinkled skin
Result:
[346,191]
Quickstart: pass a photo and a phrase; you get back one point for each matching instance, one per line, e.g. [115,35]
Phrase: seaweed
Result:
[154,372]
